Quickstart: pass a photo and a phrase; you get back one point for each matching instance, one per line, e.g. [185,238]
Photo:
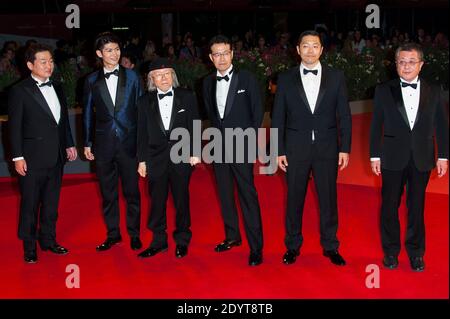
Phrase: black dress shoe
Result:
[417,263]
[108,243]
[255,258]
[334,256]
[390,262]
[151,251]
[290,256]
[56,249]
[135,243]
[181,251]
[227,245]
[30,257]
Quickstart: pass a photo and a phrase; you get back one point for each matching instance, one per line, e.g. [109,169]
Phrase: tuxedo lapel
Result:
[39,98]
[398,99]
[154,106]
[214,96]
[176,106]
[322,89]
[121,86]
[104,93]
[231,93]
[424,96]
[62,101]
[301,89]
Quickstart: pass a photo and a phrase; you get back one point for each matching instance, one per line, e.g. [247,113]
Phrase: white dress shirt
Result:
[52,100]
[111,83]
[50,97]
[165,108]
[222,91]
[311,85]
[411,99]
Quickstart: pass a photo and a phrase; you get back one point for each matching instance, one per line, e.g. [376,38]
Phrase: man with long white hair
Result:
[162,109]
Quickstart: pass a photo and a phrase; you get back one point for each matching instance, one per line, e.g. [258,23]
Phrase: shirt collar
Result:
[107,71]
[318,67]
[416,80]
[227,72]
[39,82]
[162,92]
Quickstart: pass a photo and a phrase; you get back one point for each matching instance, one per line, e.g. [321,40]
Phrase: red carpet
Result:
[118,273]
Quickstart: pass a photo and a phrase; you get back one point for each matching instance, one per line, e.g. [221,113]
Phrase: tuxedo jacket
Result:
[103,120]
[331,120]
[243,109]
[34,132]
[391,138]
[154,143]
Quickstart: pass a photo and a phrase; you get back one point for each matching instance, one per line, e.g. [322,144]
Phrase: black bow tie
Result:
[226,77]
[48,83]
[115,72]
[306,71]
[220,78]
[163,95]
[413,85]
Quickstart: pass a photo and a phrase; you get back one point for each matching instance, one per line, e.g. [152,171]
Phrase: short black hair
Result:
[309,32]
[105,38]
[30,53]
[412,46]
[219,39]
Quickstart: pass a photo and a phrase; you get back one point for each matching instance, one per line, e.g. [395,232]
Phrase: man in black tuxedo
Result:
[166,108]
[233,101]
[113,92]
[408,115]
[41,141]
[312,115]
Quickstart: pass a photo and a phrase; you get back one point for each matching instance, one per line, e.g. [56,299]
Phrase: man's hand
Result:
[282,162]
[142,169]
[194,160]
[441,167]
[343,160]
[71,153]
[88,154]
[376,167]
[21,167]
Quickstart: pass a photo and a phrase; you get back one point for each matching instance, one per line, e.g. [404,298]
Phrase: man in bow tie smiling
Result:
[408,116]
[312,115]
[110,96]
[41,142]
[162,109]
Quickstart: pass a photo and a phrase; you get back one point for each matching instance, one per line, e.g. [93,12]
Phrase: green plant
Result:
[7,78]
[69,75]
[362,72]
[190,73]
[435,68]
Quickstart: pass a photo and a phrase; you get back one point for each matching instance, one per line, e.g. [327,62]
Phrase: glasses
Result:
[221,54]
[161,75]
[407,63]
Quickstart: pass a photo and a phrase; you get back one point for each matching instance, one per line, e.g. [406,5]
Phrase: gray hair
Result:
[151,85]
[410,47]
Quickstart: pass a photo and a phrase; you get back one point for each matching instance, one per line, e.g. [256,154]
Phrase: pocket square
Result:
[240,91]
[182,110]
